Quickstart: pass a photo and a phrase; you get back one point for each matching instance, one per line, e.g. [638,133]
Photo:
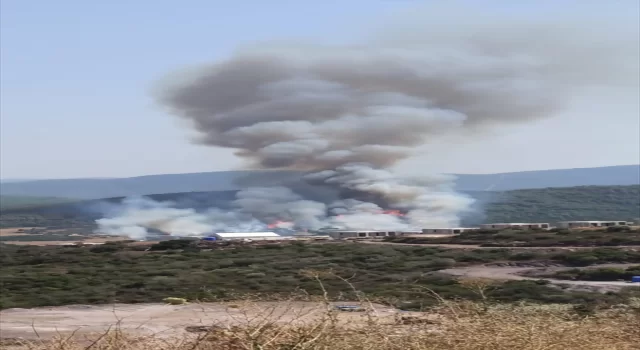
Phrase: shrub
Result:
[173,244]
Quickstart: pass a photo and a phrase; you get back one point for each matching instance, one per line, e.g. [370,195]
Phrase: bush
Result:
[105,248]
[174,244]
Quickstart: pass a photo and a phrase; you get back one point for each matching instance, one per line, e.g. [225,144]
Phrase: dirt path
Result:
[518,273]
[167,320]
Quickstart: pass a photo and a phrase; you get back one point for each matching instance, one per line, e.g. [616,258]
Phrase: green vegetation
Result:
[600,274]
[45,235]
[115,272]
[20,202]
[612,236]
[563,204]
[41,238]
[10,219]
[595,256]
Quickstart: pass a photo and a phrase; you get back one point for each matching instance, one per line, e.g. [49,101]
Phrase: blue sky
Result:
[76,78]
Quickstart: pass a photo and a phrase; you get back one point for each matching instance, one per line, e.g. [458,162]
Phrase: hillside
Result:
[569,203]
[534,205]
[16,202]
[601,176]
[233,180]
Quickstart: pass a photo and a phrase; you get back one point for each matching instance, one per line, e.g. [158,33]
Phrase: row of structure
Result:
[527,226]
[272,236]
[364,234]
[342,234]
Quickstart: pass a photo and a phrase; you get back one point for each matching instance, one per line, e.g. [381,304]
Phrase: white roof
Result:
[367,231]
[246,234]
[562,222]
[517,223]
[452,228]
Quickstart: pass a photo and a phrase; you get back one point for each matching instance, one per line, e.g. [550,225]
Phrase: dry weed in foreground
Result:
[460,326]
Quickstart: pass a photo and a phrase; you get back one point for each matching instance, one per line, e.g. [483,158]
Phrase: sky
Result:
[76,80]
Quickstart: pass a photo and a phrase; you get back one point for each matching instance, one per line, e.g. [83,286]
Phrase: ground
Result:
[169,319]
[61,267]
[528,273]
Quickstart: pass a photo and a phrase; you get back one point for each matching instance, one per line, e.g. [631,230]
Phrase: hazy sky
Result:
[76,78]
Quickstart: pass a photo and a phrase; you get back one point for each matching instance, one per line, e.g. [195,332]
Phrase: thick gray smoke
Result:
[345,115]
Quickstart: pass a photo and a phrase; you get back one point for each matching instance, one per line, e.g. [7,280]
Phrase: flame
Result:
[393,212]
[280,223]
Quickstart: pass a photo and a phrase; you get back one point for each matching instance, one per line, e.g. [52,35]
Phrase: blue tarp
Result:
[209,239]
[635,279]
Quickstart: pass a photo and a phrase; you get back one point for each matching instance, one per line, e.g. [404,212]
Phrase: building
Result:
[447,231]
[247,236]
[313,238]
[360,234]
[584,224]
[516,225]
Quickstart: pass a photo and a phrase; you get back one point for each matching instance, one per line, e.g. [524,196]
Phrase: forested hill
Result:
[234,180]
[535,205]
[567,203]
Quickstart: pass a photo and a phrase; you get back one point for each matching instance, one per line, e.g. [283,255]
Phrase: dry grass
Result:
[452,325]
[461,326]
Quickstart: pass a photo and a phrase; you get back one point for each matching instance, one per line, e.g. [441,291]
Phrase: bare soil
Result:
[530,272]
[170,320]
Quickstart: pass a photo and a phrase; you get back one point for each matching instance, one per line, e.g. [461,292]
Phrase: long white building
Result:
[583,224]
[360,234]
[252,236]
[518,225]
[448,230]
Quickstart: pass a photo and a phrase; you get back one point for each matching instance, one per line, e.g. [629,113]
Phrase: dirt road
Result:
[167,320]
[518,273]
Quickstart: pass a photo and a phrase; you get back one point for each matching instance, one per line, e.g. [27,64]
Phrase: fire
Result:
[393,212]
[279,224]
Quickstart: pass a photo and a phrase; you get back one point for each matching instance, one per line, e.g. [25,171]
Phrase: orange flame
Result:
[393,212]
[279,223]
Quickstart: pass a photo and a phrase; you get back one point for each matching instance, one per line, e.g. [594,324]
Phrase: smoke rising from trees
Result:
[345,115]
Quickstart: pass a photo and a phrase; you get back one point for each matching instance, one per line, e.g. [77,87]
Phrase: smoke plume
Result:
[345,115]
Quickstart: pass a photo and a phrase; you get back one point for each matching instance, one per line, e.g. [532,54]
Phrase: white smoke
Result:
[345,115]
[137,217]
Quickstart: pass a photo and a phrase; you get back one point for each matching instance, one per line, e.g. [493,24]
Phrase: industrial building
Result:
[447,231]
[516,225]
[361,234]
[584,224]
[247,236]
